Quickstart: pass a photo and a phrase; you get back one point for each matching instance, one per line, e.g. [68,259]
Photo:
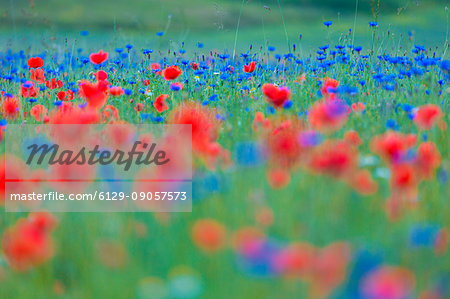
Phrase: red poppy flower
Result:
[363,182]
[160,103]
[28,92]
[441,241]
[388,283]
[275,95]
[358,107]
[403,177]
[204,124]
[250,68]
[37,75]
[10,107]
[172,72]
[53,83]
[283,146]
[98,58]
[329,269]
[139,107]
[334,157]
[209,235]
[246,240]
[392,146]
[35,62]
[110,113]
[101,75]
[328,116]
[353,137]
[94,93]
[38,111]
[61,95]
[329,87]
[28,243]
[278,178]
[296,260]
[194,65]
[116,91]
[156,68]
[260,121]
[428,159]
[427,116]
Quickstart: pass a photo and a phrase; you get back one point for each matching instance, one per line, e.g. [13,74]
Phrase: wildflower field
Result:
[318,171]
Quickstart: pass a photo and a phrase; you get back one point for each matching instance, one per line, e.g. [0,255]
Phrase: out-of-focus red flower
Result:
[110,113]
[250,68]
[329,269]
[10,107]
[403,177]
[172,72]
[160,103]
[101,75]
[358,107]
[28,92]
[194,65]
[28,243]
[208,235]
[328,116]
[37,75]
[203,121]
[275,95]
[72,115]
[388,283]
[246,240]
[428,159]
[156,68]
[427,116]
[363,182]
[392,146]
[35,62]
[146,82]
[139,107]
[296,260]
[441,241]
[53,83]
[38,111]
[94,93]
[329,87]
[353,137]
[282,143]
[278,178]
[116,91]
[99,57]
[334,157]
[260,121]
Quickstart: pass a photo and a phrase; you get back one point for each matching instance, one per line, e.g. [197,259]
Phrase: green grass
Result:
[312,208]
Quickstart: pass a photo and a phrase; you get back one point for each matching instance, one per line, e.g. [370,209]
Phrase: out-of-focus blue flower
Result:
[248,154]
[310,138]
[392,124]
[423,235]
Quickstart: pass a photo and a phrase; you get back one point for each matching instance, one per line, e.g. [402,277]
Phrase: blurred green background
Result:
[216,21]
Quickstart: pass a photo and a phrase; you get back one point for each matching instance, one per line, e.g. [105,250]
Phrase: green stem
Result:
[237,29]
[284,26]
